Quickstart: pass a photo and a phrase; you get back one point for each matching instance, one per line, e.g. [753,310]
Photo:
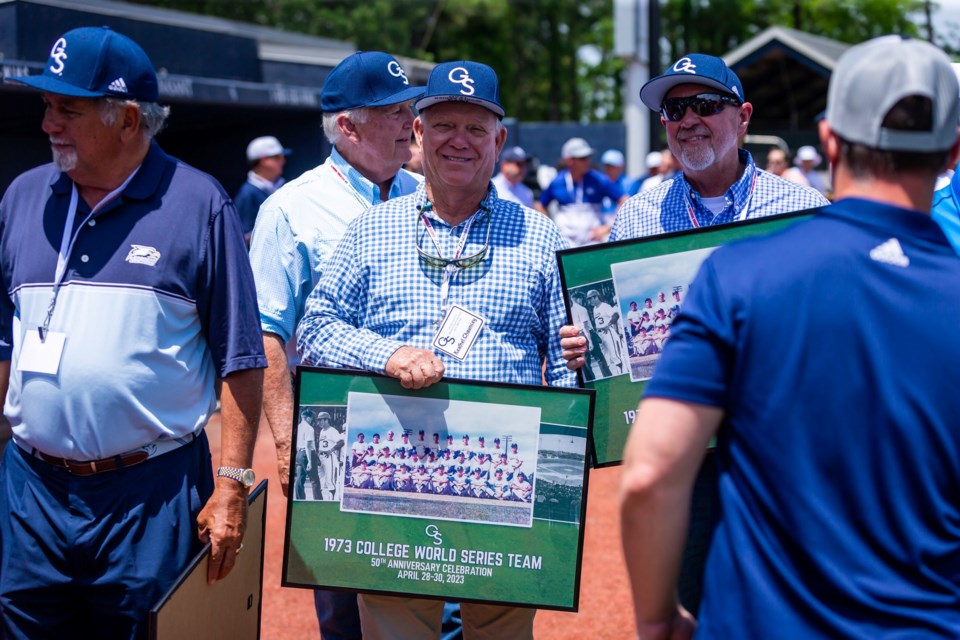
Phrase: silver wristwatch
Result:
[245,477]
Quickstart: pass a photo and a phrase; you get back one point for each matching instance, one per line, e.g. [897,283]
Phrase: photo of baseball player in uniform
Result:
[595,310]
[321,453]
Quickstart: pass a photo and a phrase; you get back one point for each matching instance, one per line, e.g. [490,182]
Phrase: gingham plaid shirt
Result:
[376,294]
[668,207]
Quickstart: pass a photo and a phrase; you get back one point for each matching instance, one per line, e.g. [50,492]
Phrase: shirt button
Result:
[84,258]
[92,223]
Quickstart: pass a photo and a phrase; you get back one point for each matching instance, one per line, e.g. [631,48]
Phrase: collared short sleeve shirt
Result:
[297,230]
[156,301]
[377,294]
[675,206]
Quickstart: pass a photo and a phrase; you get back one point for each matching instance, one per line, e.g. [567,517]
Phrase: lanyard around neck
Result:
[743,211]
[69,239]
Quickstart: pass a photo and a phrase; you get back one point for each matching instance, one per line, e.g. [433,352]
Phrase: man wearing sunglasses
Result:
[704,111]
[449,281]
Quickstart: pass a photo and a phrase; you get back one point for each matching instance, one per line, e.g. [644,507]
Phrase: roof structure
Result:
[785,74]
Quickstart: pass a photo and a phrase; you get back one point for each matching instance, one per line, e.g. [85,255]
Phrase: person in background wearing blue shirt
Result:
[113,331]
[266,157]
[414,275]
[612,163]
[703,109]
[368,118]
[839,453]
[509,182]
[578,192]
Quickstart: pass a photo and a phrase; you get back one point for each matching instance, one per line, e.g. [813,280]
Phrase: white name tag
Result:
[38,356]
[458,331]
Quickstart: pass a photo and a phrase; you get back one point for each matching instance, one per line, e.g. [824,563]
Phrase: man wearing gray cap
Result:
[368,118]
[113,331]
[509,182]
[839,456]
[451,280]
[266,157]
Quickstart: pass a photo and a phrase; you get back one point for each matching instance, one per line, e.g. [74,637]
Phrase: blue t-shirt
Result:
[248,201]
[839,454]
[592,189]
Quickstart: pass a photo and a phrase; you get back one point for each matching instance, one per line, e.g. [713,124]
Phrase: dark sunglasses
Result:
[439,261]
[702,104]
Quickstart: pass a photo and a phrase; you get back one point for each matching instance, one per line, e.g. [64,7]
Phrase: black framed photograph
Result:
[624,295]
[465,490]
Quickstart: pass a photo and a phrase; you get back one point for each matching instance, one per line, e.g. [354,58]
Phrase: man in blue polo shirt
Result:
[579,193]
[112,333]
[839,453]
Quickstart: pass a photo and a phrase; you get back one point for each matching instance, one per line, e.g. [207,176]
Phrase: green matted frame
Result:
[460,548]
[592,268]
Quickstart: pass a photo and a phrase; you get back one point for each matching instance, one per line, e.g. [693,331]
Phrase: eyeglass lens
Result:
[703,105]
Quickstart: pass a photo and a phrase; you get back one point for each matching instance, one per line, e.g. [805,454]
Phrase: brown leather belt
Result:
[92,467]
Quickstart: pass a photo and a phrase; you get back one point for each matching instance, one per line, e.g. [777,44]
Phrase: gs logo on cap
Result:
[459,75]
[685,65]
[58,54]
[394,69]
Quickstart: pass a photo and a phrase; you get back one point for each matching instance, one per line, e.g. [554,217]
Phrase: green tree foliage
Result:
[555,57]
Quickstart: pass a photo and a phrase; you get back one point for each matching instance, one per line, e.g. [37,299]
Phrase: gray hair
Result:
[332,130]
[153,116]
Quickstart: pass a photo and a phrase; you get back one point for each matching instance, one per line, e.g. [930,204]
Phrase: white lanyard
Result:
[356,194]
[575,189]
[450,270]
[67,242]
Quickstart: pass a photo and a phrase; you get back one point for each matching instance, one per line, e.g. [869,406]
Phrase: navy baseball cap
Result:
[93,62]
[463,81]
[694,68]
[366,79]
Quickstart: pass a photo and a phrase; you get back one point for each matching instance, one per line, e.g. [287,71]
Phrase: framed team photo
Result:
[462,491]
[624,296]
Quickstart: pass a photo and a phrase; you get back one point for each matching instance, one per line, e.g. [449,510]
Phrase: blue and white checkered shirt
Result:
[376,294]
[669,206]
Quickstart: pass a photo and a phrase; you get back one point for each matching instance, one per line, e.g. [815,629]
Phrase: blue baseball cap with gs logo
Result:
[693,68]
[463,81]
[366,79]
[93,62]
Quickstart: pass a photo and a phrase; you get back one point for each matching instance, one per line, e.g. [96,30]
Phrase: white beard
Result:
[65,161]
[697,160]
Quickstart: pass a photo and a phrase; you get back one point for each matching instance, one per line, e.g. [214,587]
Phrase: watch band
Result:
[243,476]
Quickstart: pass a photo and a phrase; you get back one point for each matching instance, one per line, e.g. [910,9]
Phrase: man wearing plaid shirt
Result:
[453,281]
[704,111]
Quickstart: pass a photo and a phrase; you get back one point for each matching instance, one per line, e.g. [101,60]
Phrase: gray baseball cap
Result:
[872,77]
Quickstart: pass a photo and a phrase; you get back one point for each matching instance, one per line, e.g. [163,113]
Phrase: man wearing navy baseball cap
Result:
[839,455]
[368,118]
[704,109]
[121,329]
[509,182]
[451,280]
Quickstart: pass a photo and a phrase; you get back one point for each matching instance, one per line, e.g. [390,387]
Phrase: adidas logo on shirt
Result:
[890,252]
[118,85]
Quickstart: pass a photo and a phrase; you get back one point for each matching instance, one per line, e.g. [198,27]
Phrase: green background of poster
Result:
[617,397]
[556,537]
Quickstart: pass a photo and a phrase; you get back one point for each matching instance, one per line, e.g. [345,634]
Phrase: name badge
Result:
[458,331]
[38,356]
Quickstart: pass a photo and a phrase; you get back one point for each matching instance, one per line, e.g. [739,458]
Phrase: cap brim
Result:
[423,103]
[405,95]
[652,93]
[54,85]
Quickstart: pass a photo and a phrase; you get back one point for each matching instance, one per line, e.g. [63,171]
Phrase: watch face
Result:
[247,477]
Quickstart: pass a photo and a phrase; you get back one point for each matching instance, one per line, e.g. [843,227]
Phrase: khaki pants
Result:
[393,618]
